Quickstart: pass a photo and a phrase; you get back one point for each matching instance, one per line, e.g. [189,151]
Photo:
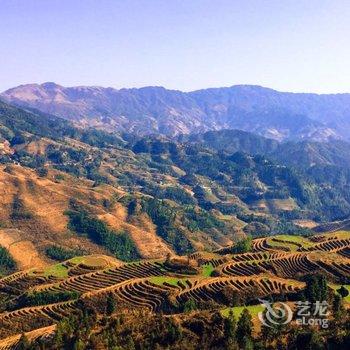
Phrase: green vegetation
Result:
[19,122]
[119,244]
[58,270]
[160,280]
[7,264]
[58,253]
[296,241]
[19,212]
[168,332]
[344,292]
[201,220]
[164,216]
[341,290]
[198,191]
[244,329]
[186,187]
[189,305]
[110,304]
[237,310]
[184,303]
[316,288]
[45,297]
[242,246]
[207,270]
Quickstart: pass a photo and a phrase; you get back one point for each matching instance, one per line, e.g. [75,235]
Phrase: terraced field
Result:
[276,265]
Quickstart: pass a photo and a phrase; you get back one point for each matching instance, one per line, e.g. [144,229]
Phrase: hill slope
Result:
[146,197]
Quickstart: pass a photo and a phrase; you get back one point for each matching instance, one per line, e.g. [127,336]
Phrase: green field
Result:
[237,310]
[159,280]
[207,270]
[304,242]
[58,270]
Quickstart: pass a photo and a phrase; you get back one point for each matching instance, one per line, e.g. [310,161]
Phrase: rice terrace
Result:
[276,266]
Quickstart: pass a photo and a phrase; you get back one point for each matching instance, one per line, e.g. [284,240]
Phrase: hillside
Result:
[156,195]
[187,297]
[307,154]
[37,207]
[160,240]
[270,113]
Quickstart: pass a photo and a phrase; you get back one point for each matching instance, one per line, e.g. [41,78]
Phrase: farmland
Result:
[275,267]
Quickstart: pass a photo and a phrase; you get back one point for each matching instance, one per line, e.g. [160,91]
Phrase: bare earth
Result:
[22,251]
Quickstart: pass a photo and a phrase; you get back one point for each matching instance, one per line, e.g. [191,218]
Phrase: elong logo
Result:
[306,314]
[275,315]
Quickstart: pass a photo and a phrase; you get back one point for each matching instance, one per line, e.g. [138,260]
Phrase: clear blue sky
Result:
[297,45]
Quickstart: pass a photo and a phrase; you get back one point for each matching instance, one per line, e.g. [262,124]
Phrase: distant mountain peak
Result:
[50,85]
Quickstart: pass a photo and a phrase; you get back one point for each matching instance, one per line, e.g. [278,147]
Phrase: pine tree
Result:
[343,292]
[111,304]
[244,328]
[230,327]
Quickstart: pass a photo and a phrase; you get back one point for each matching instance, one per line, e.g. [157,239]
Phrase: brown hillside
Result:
[45,201]
[23,251]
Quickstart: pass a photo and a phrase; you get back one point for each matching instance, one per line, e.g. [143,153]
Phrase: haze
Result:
[187,45]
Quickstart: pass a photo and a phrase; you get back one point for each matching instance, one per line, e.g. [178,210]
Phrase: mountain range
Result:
[301,154]
[277,115]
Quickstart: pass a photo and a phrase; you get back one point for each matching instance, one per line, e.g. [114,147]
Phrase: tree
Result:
[189,305]
[110,304]
[79,344]
[338,307]
[244,328]
[343,292]
[257,229]
[42,172]
[309,340]
[230,327]
[141,146]
[242,246]
[316,288]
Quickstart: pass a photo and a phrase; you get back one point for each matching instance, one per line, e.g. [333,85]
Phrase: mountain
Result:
[300,154]
[232,141]
[306,154]
[277,115]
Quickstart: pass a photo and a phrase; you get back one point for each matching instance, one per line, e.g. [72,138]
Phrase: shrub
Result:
[58,253]
[19,211]
[7,264]
[242,246]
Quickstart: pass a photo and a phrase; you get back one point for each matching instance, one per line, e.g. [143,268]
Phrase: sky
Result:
[298,45]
